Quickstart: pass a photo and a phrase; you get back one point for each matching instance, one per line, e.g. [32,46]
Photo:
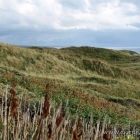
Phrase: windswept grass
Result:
[46,120]
[96,79]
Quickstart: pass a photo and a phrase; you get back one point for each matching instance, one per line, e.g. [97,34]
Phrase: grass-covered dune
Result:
[101,80]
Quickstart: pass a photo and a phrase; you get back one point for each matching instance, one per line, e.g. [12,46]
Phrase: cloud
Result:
[52,37]
[102,23]
[67,15]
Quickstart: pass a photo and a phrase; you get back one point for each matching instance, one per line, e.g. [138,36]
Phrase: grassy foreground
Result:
[20,119]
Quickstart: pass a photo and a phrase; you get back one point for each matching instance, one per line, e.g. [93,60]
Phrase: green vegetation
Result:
[22,118]
[97,80]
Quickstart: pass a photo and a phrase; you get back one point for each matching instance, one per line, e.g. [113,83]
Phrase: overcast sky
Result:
[99,23]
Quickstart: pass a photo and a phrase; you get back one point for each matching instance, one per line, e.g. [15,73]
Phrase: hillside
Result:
[106,81]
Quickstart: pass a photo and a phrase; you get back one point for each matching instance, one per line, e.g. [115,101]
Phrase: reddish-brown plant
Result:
[14,103]
[49,133]
[46,104]
[78,131]
[13,107]
[107,135]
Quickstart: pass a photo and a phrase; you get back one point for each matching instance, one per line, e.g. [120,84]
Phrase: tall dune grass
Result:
[46,122]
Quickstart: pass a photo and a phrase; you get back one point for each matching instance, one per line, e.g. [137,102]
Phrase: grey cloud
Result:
[73,4]
[137,2]
[74,37]
[9,19]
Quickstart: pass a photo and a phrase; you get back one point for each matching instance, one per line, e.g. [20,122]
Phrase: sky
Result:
[97,23]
